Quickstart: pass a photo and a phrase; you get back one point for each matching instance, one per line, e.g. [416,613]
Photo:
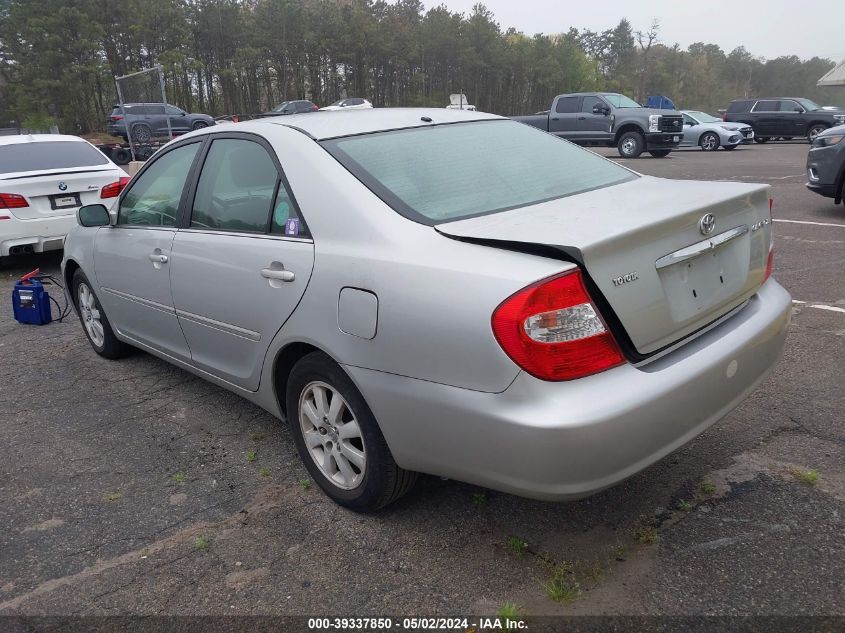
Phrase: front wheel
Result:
[199,125]
[814,131]
[338,438]
[631,145]
[660,153]
[709,142]
[94,322]
[761,139]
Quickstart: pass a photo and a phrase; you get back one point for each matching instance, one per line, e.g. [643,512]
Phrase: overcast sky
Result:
[767,28]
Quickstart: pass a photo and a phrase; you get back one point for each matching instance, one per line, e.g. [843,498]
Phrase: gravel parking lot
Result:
[134,487]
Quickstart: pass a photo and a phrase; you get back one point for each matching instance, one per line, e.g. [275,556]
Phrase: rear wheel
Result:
[142,133]
[338,438]
[709,142]
[94,321]
[631,144]
[814,131]
[660,153]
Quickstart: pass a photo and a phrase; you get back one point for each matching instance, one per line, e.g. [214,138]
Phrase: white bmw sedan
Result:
[439,291]
[44,179]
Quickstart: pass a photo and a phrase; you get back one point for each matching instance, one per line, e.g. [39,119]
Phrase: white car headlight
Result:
[653,122]
[828,140]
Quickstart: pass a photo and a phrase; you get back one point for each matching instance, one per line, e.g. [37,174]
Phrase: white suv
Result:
[44,179]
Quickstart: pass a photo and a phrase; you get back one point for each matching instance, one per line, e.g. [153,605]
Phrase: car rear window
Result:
[45,155]
[448,172]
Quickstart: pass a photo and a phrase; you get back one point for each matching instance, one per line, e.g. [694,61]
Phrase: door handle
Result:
[281,275]
[554,118]
[582,118]
[156,258]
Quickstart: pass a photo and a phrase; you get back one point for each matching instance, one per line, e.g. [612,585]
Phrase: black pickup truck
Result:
[610,119]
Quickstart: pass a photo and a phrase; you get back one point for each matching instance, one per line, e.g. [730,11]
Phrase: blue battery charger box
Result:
[31,303]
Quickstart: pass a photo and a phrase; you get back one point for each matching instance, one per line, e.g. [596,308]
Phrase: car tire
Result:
[121,156]
[347,456]
[761,139]
[631,144]
[709,141]
[787,138]
[199,125]
[814,131]
[660,153]
[141,133]
[94,322]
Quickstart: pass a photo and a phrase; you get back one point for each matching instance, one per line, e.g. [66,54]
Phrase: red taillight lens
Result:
[113,190]
[553,331]
[314,107]
[770,262]
[116,117]
[12,201]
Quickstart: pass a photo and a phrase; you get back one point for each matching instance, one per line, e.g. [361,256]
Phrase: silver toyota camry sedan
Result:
[438,291]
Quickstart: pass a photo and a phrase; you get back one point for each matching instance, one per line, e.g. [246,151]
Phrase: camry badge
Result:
[706,224]
[62,186]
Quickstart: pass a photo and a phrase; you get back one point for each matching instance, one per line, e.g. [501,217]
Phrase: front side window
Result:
[174,111]
[688,120]
[236,187]
[154,198]
[788,105]
[589,103]
[449,172]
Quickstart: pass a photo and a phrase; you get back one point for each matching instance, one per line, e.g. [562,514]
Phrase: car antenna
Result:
[427,119]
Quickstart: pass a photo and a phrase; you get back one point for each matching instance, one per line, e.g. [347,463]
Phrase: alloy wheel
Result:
[90,315]
[332,435]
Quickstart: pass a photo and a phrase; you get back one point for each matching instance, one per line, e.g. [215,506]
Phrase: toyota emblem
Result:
[706,224]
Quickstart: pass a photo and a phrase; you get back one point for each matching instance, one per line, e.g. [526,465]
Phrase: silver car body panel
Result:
[432,370]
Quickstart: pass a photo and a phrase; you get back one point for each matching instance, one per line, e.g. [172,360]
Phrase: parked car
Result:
[710,133]
[149,120]
[44,179]
[459,101]
[439,291]
[353,103]
[826,164]
[610,119]
[293,107]
[785,117]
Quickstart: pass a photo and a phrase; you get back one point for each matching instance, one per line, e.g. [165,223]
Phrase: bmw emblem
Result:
[62,186]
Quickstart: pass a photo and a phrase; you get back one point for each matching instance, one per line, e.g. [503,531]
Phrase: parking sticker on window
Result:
[292,226]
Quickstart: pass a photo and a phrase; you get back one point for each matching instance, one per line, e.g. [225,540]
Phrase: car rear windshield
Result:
[45,155]
[448,172]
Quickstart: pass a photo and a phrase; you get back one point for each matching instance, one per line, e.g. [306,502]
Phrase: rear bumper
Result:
[34,236]
[662,140]
[558,441]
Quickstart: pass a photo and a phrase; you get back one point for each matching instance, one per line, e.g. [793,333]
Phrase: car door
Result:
[766,117]
[592,126]
[690,136]
[132,258]
[178,119]
[791,118]
[562,118]
[242,260]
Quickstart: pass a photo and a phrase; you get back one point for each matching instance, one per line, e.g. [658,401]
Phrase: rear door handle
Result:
[281,275]
[157,258]
[582,118]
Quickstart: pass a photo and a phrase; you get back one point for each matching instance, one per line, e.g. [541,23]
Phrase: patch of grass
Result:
[510,611]
[264,472]
[201,542]
[257,436]
[646,533]
[305,483]
[563,586]
[516,545]
[707,488]
[250,456]
[178,477]
[117,495]
[479,498]
[684,505]
[806,477]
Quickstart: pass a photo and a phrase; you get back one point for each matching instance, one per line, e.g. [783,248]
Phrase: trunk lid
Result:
[642,244]
[58,192]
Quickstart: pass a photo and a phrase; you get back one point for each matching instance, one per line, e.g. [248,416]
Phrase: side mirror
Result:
[799,110]
[601,109]
[93,215]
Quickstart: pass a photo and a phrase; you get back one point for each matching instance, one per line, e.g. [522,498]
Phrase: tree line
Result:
[58,58]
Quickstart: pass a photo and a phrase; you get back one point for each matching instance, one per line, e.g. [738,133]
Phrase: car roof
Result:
[325,125]
[38,138]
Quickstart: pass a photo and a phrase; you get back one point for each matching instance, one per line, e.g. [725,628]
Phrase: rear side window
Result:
[448,172]
[45,155]
[236,187]
[154,198]
[566,105]
[766,106]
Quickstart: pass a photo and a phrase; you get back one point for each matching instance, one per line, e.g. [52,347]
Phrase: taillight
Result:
[116,117]
[12,201]
[314,107]
[771,257]
[552,330]
[113,190]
